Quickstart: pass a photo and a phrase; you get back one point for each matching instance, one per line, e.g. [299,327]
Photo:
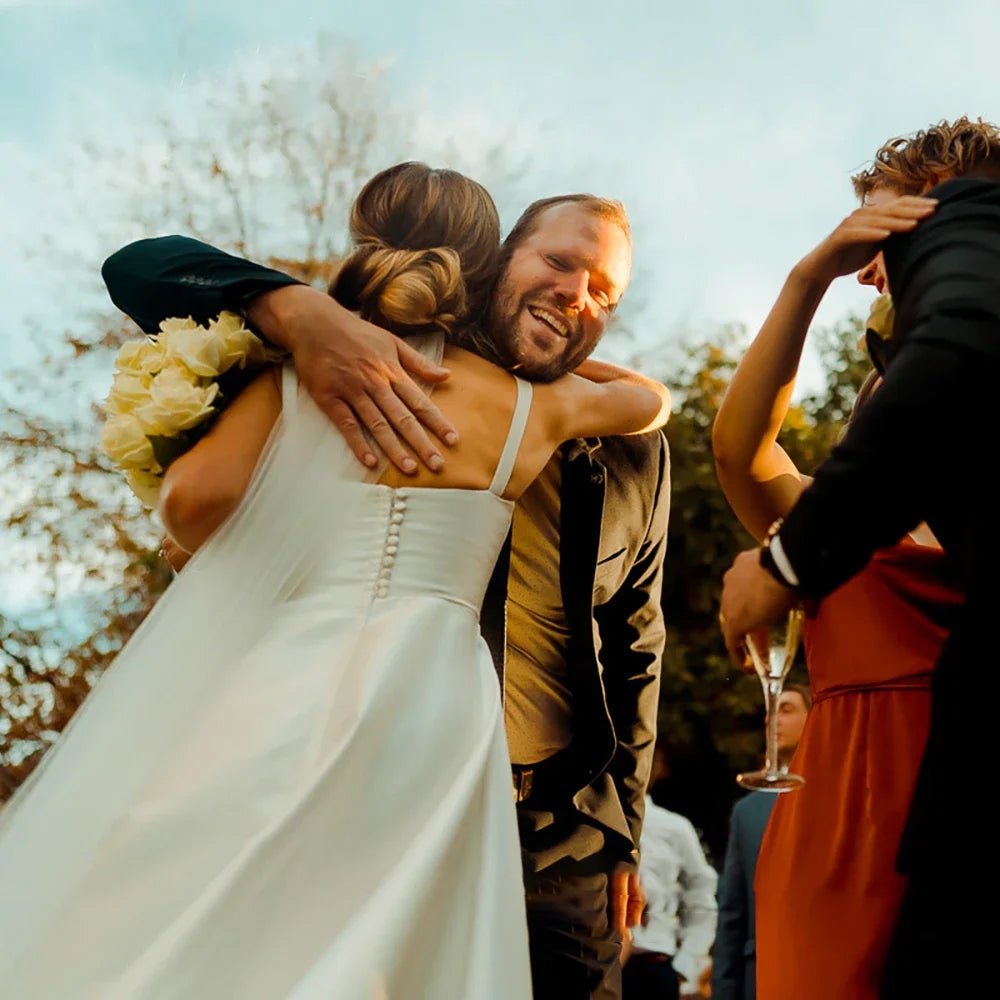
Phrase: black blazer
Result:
[922,449]
[734,951]
[615,505]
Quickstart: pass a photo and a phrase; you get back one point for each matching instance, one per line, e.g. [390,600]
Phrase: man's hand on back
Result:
[360,375]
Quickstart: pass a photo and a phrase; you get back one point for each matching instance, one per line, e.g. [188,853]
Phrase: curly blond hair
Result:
[911,164]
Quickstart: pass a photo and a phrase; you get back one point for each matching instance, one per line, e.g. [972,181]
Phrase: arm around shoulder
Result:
[604,400]
[153,279]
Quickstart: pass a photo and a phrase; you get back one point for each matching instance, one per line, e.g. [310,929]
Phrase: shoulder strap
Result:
[518,422]
[289,393]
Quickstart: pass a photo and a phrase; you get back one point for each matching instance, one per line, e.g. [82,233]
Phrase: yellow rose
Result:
[140,357]
[146,486]
[176,403]
[125,443]
[240,346]
[127,392]
[198,349]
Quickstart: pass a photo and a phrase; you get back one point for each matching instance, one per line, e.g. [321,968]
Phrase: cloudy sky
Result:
[729,128]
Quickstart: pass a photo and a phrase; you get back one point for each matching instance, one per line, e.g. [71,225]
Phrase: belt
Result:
[914,682]
[548,780]
[653,957]
[524,778]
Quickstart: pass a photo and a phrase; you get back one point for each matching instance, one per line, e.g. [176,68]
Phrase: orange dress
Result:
[826,885]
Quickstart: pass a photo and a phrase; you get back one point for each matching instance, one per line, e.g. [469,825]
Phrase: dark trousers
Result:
[650,976]
[575,953]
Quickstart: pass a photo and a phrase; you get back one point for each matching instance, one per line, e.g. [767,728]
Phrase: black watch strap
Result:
[767,560]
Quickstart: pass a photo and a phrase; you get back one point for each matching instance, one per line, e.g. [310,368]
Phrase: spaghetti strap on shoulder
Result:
[518,422]
[289,392]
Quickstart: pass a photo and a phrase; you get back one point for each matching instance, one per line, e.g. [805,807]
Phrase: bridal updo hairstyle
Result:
[426,250]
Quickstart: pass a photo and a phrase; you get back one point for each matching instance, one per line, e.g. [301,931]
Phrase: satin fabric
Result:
[826,886]
[293,782]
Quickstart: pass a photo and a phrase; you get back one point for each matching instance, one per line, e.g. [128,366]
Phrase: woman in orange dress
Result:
[826,887]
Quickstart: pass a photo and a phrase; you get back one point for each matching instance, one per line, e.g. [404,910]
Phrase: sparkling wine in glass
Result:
[772,666]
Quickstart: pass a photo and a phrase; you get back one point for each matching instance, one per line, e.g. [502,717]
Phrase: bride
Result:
[293,781]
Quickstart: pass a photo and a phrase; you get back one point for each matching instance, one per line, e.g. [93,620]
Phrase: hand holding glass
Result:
[772,666]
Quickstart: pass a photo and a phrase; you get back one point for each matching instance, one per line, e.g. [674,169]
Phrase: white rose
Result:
[170,326]
[240,346]
[176,403]
[146,486]
[125,443]
[201,351]
[127,392]
[141,357]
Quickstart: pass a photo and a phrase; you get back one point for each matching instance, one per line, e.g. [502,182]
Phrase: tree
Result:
[268,169]
[711,715]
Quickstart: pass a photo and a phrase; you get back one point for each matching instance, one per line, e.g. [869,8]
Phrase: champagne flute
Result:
[772,666]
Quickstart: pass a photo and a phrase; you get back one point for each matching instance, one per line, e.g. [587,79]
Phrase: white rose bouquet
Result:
[167,390]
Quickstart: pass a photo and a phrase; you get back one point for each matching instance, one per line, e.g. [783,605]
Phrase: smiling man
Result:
[573,613]
[565,265]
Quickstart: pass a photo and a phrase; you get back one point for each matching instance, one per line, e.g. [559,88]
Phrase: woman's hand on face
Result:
[859,237]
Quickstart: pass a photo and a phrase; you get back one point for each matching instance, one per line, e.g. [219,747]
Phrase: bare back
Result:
[205,484]
[479,399]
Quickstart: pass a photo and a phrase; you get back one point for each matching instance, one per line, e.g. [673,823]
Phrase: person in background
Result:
[734,952]
[669,948]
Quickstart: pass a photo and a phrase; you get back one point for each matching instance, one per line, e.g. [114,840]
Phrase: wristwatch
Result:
[773,558]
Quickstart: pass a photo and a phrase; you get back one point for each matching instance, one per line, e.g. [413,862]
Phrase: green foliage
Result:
[711,715]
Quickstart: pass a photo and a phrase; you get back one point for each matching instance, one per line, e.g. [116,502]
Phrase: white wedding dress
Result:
[293,781]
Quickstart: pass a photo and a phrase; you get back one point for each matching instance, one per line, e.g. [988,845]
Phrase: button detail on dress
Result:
[397,509]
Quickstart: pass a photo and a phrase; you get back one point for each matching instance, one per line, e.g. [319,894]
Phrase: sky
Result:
[729,128]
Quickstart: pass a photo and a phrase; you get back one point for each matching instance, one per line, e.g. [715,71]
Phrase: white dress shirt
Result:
[680,891]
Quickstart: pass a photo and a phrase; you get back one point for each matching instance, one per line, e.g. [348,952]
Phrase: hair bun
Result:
[406,288]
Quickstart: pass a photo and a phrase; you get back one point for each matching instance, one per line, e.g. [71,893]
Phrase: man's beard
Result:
[500,332]
[478,339]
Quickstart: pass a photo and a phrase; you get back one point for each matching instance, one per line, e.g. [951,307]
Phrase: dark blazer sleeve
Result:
[732,926]
[632,637]
[151,280]
[897,461]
